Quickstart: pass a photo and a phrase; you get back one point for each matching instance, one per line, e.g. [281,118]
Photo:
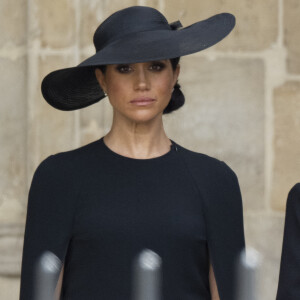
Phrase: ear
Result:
[176,74]
[101,79]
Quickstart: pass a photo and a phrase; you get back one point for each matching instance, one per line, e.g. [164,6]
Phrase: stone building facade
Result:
[242,106]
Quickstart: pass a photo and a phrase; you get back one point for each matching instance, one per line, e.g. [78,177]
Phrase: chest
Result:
[141,205]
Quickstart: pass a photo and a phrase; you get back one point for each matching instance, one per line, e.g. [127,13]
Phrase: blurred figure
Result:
[289,277]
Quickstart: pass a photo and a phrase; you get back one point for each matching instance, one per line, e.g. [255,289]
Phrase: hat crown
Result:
[127,21]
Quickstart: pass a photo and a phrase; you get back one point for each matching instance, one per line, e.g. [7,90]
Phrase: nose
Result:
[142,79]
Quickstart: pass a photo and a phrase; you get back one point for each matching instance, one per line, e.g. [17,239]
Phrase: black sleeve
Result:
[225,229]
[289,277]
[49,219]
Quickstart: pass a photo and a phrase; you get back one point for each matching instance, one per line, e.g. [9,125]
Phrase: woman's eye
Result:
[157,66]
[124,68]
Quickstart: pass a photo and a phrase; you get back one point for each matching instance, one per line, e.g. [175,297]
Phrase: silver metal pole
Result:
[46,276]
[147,276]
[247,272]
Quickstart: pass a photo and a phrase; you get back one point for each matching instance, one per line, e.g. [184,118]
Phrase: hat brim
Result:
[77,87]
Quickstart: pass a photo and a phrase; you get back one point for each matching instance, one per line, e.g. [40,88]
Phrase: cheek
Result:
[117,90]
[119,94]
[164,85]
[115,87]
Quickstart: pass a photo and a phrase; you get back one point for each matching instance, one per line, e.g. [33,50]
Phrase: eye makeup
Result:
[155,66]
[123,68]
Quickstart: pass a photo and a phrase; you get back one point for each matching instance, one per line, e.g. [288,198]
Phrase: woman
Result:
[98,206]
[289,278]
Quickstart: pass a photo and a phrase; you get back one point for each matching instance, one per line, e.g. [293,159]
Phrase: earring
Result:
[105,94]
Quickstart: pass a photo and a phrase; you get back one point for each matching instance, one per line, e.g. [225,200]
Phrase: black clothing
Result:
[289,277]
[96,210]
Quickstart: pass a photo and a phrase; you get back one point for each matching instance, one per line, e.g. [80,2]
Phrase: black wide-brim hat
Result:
[132,35]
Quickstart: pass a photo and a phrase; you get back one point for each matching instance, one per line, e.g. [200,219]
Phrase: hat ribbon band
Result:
[175,25]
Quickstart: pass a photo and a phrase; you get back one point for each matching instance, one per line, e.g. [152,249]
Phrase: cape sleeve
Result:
[221,199]
[49,219]
[225,229]
[289,277]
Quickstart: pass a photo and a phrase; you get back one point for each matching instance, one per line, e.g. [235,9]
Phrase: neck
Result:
[145,139]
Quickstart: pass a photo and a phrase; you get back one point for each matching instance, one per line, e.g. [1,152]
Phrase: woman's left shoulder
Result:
[207,164]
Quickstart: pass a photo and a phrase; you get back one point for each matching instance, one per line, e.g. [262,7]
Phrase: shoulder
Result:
[295,191]
[216,182]
[293,199]
[208,166]
[62,173]
[66,164]
[71,157]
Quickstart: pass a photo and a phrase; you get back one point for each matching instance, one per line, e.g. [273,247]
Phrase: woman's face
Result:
[139,91]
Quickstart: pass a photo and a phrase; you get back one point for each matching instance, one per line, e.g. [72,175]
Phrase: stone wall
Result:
[242,106]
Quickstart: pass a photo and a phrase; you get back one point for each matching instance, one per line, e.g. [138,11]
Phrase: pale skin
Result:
[138,131]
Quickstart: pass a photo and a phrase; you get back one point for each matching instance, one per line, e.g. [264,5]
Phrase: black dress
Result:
[289,277]
[96,210]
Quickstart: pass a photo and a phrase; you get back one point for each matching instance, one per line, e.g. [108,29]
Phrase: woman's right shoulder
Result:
[69,161]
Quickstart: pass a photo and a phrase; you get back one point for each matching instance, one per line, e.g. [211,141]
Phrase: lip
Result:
[141,101]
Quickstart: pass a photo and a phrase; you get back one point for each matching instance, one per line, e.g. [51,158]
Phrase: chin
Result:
[143,116]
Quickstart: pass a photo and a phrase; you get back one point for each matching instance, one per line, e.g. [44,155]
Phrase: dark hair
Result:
[177,100]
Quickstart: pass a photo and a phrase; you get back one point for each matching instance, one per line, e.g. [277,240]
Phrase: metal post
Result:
[46,276]
[247,270]
[147,276]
